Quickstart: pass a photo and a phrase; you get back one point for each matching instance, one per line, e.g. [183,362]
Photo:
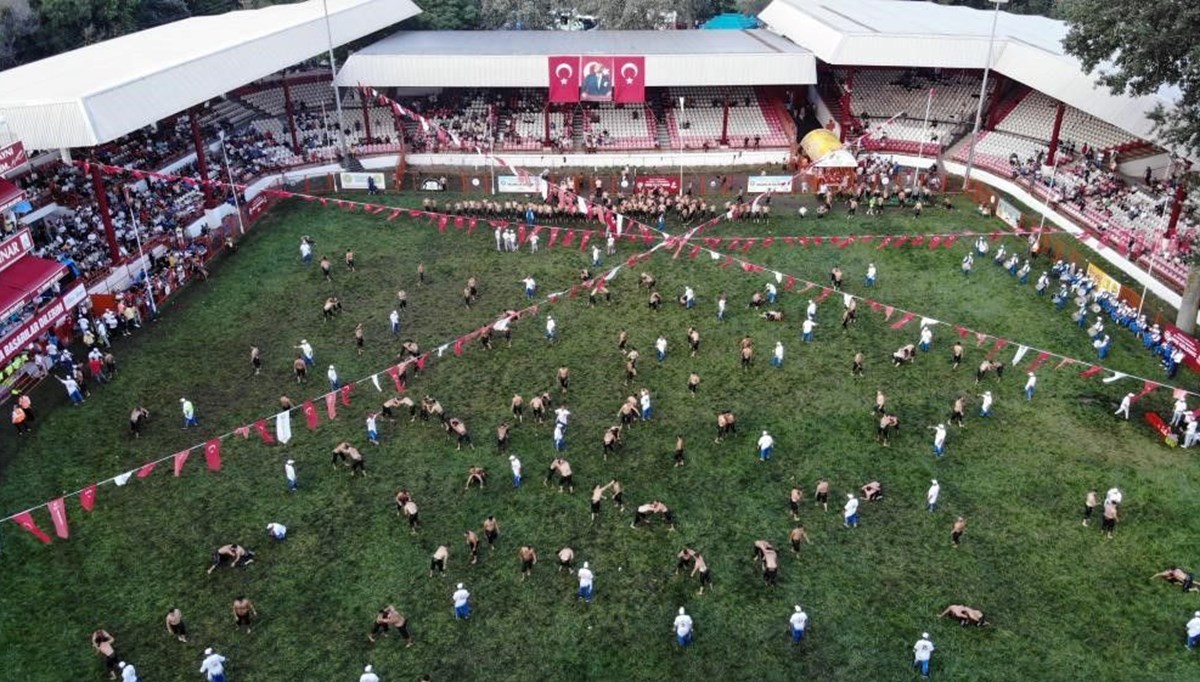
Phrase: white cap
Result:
[303,340]
[460,586]
[941,426]
[208,651]
[850,496]
[1031,374]
[924,635]
[121,665]
[331,367]
[798,609]
[183,400]
[269,526]
[1197,614]
[511,457]
[681,610]
[367,669]
[934,481]
[585,564]
[764,433]
[291,461]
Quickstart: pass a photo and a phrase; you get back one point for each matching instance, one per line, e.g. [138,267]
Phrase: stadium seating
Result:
[700,121]
[1033,117]
[609,126]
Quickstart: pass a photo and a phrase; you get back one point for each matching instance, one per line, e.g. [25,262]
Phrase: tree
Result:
[17,25]
[1046,8]
[449,15]
[151,13]
[1139,48]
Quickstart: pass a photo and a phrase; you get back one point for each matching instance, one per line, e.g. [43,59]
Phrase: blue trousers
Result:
[1029,394]
[585,593]
[807,337]
[870,281]
[797,635]
[765,453]
[777,362]
[516,481]
[924,666]
[939,450]
[462,612]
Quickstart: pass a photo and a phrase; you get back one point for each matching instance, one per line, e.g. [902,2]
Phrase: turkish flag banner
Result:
[25,520]
[630,79]
[212,454]
[310,415]
[563,78]
[87,498]
[58,514]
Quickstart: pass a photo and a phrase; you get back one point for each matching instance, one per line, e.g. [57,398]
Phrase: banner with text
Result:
[1008,213]
[649,183]
[513,184]
[1103,281]
[48,318]
[359,180]
[769,183]
[14,248]
[1184,342]
[12,156]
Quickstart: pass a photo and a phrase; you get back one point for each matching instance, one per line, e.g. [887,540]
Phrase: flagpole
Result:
[924,134]
[141,257]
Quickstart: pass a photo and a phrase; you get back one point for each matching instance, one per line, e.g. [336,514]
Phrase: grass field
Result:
[1065,603]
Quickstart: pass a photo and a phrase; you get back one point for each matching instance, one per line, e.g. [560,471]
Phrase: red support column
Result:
[1054,134]
[366,102]
[1177,207]
[847,105]
[201,157]
[291,117]
[546,124]
[110,235]
[725,123]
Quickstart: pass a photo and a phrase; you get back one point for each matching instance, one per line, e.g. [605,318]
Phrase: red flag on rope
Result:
[243,431]
[749,243]
[884,244]
[212,454]
[442,224]
[980,337]
[394,373]
[1091,371]
[899,241]
[949,241]
[904,319]
[789,283]
[553,237]
[1147,388]
[331,405]
[875,305]
[1038,361]
[458,346]
[933,243]
[768,241]
[180,459]
[25,520]
[58,515]
[568,238]
[87,498]
[263,433]
[826,292]
[394,214]
[962,331]
[917,240]
[421,362]
[695,252]
[816,241]
[734,244]
[471,226]
[584,242]
[345,392]
[1000,343]
[887,312]
[1064,363]
[727,262]
[460,222]
[310,415]
[146,470]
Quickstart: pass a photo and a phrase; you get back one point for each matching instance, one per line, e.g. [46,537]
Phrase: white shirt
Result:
[128,674]
[550,325]
[585,577]
[645,401]
[683,624]
[922,649]
[779,349]
[394,317]
[529,283]
[932,495]
[70,385]
[277,530]
[661,345]
[332,374]
[851,507]
[561,415]
[987,401]
[811,311]
[307,349]
[501,324]
[305,249]
[533,241]
[371,423]
[688,294]
[214,664]
[1030,382]
[1113,495]
[807,327]
[460,597]
[516,467]
[368,677]
[871,271]
[1193,627]
[1180,406]
[798,620]
[926,335]
[289,471]
[558,432]
[770,289]
[765,441]
[595,253]
[721,305]
[939,435]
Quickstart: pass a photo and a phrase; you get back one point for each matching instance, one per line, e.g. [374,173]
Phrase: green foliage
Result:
[1049,586]
[1135,47]
[449,15]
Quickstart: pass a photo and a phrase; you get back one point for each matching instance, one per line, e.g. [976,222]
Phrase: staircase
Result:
[259,112]
[577,128]
[662,132]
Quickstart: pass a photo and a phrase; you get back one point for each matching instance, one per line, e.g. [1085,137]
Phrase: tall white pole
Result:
[337,96]
[987,67]
[229,174]
[137,235]
[924,134]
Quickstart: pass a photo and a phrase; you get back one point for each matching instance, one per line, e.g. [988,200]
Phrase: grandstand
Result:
[867,69]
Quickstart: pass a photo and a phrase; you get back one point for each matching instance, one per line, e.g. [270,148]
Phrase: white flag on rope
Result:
[283,426]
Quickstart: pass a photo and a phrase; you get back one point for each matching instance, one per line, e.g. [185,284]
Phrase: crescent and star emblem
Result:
[559,69]
[626,67]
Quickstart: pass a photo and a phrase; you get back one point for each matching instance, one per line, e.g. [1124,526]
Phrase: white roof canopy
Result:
[1027,49]
[517,59]
[103,91]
